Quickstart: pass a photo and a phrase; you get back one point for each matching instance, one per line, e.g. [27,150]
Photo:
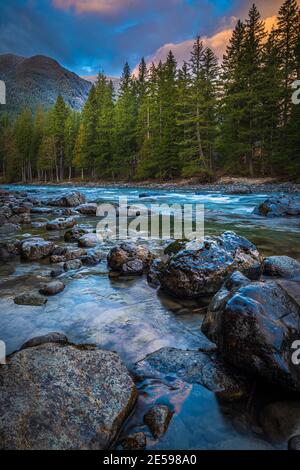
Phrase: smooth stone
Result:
[72,199]
[72,265]
[9,228]
[57,271]
[89,240]
[119,256]
[53,288]
[158,419]
[88,209]
[61,224]
[281,266]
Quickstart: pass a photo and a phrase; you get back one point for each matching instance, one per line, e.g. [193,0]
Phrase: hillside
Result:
[38,80]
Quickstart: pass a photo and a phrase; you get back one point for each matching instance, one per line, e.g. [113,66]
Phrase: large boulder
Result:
[129,258]
[254,325]
[36,248]
[33,299]
[201,268]
[61,396]
[72,199]
[281,420]
[281,206]
[89,240]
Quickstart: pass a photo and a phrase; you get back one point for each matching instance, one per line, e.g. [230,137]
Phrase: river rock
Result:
[158,419]
[32,298]
[281,206]
[195,367]
[281,420]
[119,257]
[281,266]
[63,397]
[156,267]
[52,288]
[72,265]
[87,209]
[61,224]
[9,228]
[72,199]
[57,270]
[90,240]
[254,325]
[92,259]
[36,248]
[73,235]
[135,441]
[202,267]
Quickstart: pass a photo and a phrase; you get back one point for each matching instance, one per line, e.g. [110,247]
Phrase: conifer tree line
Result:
[200,120]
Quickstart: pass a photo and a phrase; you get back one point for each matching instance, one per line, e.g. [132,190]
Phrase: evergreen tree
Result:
[23,139]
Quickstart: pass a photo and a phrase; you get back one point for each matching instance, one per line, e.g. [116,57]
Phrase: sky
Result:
[87,36]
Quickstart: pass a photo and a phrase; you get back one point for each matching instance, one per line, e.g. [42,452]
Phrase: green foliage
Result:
[197,121]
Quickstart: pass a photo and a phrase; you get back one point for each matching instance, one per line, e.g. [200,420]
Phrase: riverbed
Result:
[129,316]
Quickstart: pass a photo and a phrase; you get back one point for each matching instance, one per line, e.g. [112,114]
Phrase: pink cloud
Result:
[218,43]
[95,6]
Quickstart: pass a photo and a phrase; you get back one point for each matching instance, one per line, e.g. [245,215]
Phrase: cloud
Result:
[217,42]
[95,6]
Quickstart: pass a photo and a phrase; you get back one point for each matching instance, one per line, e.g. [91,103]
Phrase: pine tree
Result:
[37,137]
[125,155]
[23,136]
[70,135]
[59,116]
[104,144]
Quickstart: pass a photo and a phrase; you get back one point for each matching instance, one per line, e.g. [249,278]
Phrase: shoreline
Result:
[238,186]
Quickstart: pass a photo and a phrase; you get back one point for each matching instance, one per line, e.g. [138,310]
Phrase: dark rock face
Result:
[33,298]
[195,367]
[92,259]
[254,325]
[52,288]
[158,420]
[62,396]
[136,441]
[198,272]
[57,271]
[66,254]
[281,266]
[282,206]
[156,267]
[61,224]
[129,258]
[72,199]
[36,248]
[87,209]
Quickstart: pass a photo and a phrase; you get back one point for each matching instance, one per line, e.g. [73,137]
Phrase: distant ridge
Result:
[38,80]
[93,79]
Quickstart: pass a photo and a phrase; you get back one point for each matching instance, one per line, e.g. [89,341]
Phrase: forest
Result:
[201,120]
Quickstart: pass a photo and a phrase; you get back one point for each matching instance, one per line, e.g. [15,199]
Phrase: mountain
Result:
[39,80]
[115,80]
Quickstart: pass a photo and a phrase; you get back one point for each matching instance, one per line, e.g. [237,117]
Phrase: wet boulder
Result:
[49,338]
[92,259]
[87,209]
[52,288]
[73,235]
[202,267]
[195,367]
[255,325]
[34,299]
[72,265]
[156,267]
[36,248]
[63,397]
[281,266]
[61,223]
[158,419]
[72,199]
[66,254]
[89,240]
[129,258]
[281,206]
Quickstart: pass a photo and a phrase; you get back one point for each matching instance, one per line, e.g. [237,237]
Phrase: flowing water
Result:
[128,316]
